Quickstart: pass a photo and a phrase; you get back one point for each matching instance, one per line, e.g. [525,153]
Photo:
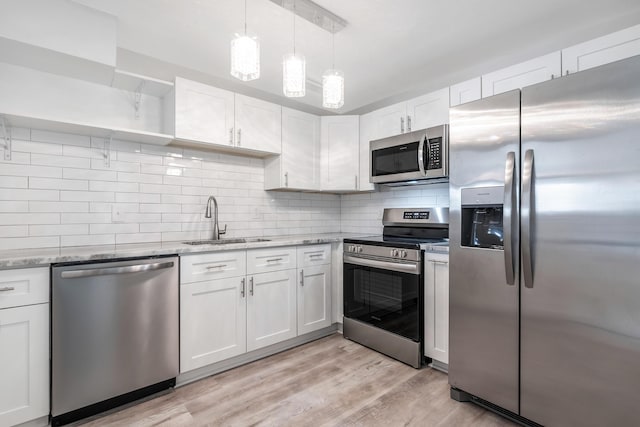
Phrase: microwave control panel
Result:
[434,148]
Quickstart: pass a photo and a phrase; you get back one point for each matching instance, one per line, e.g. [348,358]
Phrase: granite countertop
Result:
[43,257]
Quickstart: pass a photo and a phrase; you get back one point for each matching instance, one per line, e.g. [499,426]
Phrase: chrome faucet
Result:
[207,214]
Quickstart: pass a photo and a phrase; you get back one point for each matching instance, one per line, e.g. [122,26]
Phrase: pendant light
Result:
[294,69]
[245,54]
[333,82]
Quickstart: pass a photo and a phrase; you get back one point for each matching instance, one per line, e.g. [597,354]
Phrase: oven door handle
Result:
[411,268]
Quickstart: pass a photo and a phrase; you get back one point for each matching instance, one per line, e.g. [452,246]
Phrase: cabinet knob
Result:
[239,136]
[230,136]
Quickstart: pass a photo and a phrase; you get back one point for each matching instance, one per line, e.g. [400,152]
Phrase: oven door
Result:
[384,294]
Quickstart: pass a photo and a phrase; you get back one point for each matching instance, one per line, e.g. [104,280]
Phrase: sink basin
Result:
[224,241]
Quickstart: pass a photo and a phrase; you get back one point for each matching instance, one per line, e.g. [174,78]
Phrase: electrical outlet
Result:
[116,215]
[256,213]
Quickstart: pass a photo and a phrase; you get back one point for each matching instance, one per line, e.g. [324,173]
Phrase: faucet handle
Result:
[223,231]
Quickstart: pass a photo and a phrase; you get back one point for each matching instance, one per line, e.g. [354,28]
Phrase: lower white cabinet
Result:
[436,307]
[213,319]
[271,308]
[314,298]
[24,363]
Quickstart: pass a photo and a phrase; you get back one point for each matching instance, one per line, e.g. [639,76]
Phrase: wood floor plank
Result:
[328,382]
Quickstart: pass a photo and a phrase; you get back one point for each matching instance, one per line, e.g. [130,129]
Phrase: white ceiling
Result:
[390,50]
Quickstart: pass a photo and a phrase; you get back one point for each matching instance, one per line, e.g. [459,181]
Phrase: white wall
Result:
[362,213]
[57,191]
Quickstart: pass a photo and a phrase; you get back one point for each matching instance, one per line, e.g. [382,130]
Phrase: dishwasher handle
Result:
[75,274]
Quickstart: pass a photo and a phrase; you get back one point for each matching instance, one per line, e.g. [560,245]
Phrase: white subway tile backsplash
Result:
[139,177]
[35,206]
[14,182]
[23,194]
[29,218]
[123,187]
[87,174]
[85,218]
[14,206]
[14,230]
[58,230]
[137,198]
[60,138]
[58,184]
[87,196]
[113,228]
[28,170]
[88,240]
[122,239]
[11,243]
[36,147]
[63,161]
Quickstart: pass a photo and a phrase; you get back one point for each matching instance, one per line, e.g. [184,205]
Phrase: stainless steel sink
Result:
[224,241]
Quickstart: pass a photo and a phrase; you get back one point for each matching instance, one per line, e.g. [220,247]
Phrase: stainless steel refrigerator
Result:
[545,249]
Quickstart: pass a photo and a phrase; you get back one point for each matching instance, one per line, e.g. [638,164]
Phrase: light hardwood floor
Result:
[329,382]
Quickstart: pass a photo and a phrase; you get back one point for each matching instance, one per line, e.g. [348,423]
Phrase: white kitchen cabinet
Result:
[24,344]
[204,114]
[467,91]
[366,135]
[389,121]
[213,316]
[520,75]
[298,166]
[217,118]
[436,307]
[258,125]
[603,50]
[271,308]
[428,110]
[339,158]
[314,288]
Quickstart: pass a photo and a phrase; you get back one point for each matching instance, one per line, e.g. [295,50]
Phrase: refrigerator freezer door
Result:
[484,153]
[580,341]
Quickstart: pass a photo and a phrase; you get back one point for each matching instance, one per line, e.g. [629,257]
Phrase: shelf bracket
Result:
[107,151]
[138,98]
[6,135]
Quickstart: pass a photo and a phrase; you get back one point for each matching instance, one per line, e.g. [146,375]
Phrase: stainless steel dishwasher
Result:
[114,334]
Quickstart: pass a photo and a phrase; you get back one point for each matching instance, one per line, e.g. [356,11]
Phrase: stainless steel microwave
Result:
[411,157]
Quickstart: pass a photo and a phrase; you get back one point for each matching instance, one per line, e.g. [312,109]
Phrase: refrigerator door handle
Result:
[509,203]
[526,217]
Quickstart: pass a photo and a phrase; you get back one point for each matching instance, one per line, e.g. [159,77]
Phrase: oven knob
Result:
[359,249]
[394,252]
[403,254]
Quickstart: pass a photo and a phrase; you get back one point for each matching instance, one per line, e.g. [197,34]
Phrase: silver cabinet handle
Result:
[408,123]
[526,218]
[286,179]
[239,136]
[401,124]
[242,290]
[74,274]
[7,288]
[251,286]
[356,187]
[316,255]
[274,260]
[211,267]
[230,136]
[301,277]
[438,262]
[509,217]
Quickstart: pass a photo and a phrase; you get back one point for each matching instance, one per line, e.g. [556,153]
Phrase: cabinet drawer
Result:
[314,255]
[24,287]
[272,259]
[197,268]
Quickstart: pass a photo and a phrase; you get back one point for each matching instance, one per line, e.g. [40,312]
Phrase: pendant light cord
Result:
[294,27]
[333,46]
[245,17]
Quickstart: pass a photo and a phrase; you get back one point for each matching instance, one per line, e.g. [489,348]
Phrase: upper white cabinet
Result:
[217,118]
[298,166]
[467,91]
[204,113]
[524,74]
[367,124]
[339,136]
[436,307]
[389,121]
[258,124]
[24,340]
[428,110]
[603,50]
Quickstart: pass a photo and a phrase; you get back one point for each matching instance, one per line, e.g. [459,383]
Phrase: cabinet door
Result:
[212,321]
[436,308]
[271,308]
[24,364]
[258,125]
[467,91]
[366,135]
[339,136]
[204,113]
[428,110]
[603,50]
[389,121]
[314,298]
[524,74]
[300,150]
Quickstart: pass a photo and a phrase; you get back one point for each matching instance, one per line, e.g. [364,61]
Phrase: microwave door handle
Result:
[421,154]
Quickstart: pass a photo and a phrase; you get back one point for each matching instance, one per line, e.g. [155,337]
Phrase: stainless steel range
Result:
[384,282]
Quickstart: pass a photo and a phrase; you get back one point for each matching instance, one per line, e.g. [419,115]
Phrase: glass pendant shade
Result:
[245,57]
[333,89]
[293,76]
